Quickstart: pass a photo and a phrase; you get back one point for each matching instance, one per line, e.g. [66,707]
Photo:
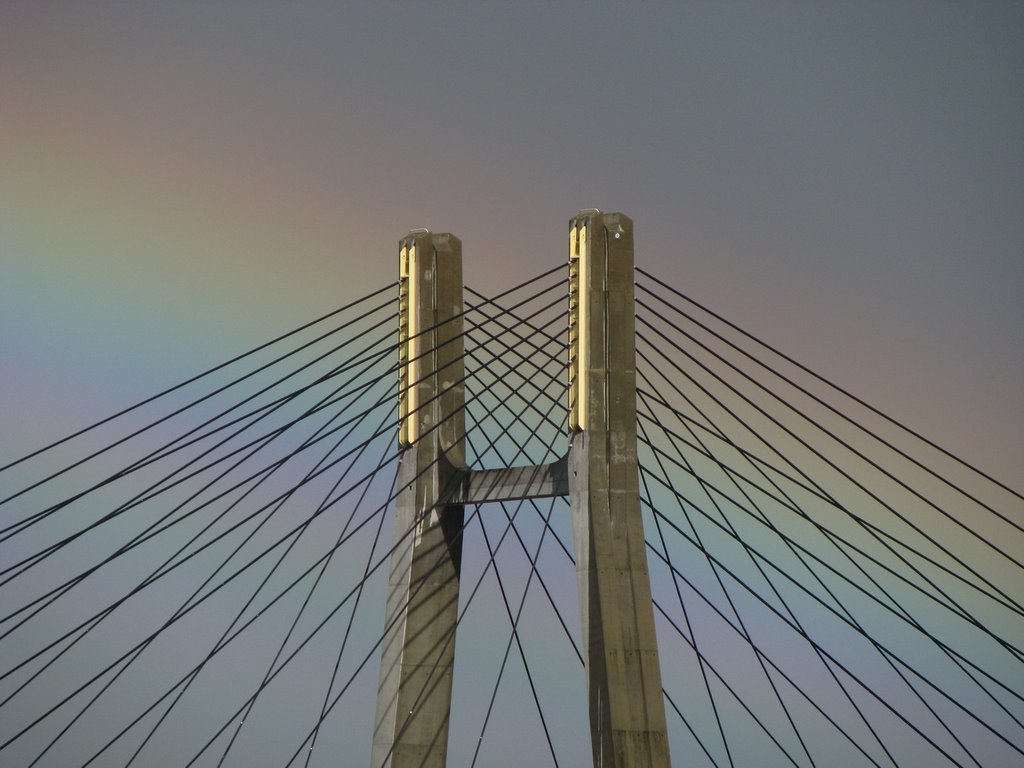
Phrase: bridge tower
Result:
[599,474]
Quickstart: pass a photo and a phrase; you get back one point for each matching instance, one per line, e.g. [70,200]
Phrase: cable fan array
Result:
[199,579]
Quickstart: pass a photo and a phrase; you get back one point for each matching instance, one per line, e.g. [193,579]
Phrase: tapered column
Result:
[414,691]
[627,712]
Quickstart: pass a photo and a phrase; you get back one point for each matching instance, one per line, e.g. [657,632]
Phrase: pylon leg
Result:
[418,653]
[627,711]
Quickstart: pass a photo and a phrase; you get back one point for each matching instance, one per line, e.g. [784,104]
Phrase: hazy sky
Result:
[845,180]
[180,181]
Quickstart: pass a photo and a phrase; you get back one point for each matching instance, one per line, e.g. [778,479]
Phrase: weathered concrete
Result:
[600,475]
[414,691]
[627,712]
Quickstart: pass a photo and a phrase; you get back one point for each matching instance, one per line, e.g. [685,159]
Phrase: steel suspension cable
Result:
[149,533]
[951,699]
[779,596]
[183,408]
[736,477]
[807,393]
[834,386]
[872,530]
[846,670]
[838,573]
[197,377]
[831,464]
[221,585]
[873,464]
[207,596]
[450,638]
[154,489]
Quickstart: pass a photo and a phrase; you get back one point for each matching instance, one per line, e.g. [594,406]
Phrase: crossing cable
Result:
[547,528]
[168,449]
[349,623]
[159,572]
[521,447]
[141,649]
[261,442]
[572,642]
[514,621]
[572,561]
[493,552]
[340,693]
[831,568]
[216,589]
[354,591]
[647,500]
[834,502]
[541,369]
[732,476]
[647,440]
[323,568]
[677,708]
[427,330]
[882,648]
[334,673]
[739,699]
[324,403]
[514,635]
[545,520]
[384,397]
[895,610]
[951,605]
[266,506]
[173,620]
[846,670]
[299,534]
[451,635]
[421,406]
[530,321]
[520,320]
[524,339]
[795,552]
[832,435]
[704,661]
[369,655]
[736,613]
[388,448]
[297,649]
[830,463]
[909,686]
[540,390]
[199,376]
[675,438]
[382,400]
[870,528]
[540,349]
[141,498]
[831,384]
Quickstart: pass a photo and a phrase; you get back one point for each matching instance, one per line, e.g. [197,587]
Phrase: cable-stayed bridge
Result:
[203,578]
